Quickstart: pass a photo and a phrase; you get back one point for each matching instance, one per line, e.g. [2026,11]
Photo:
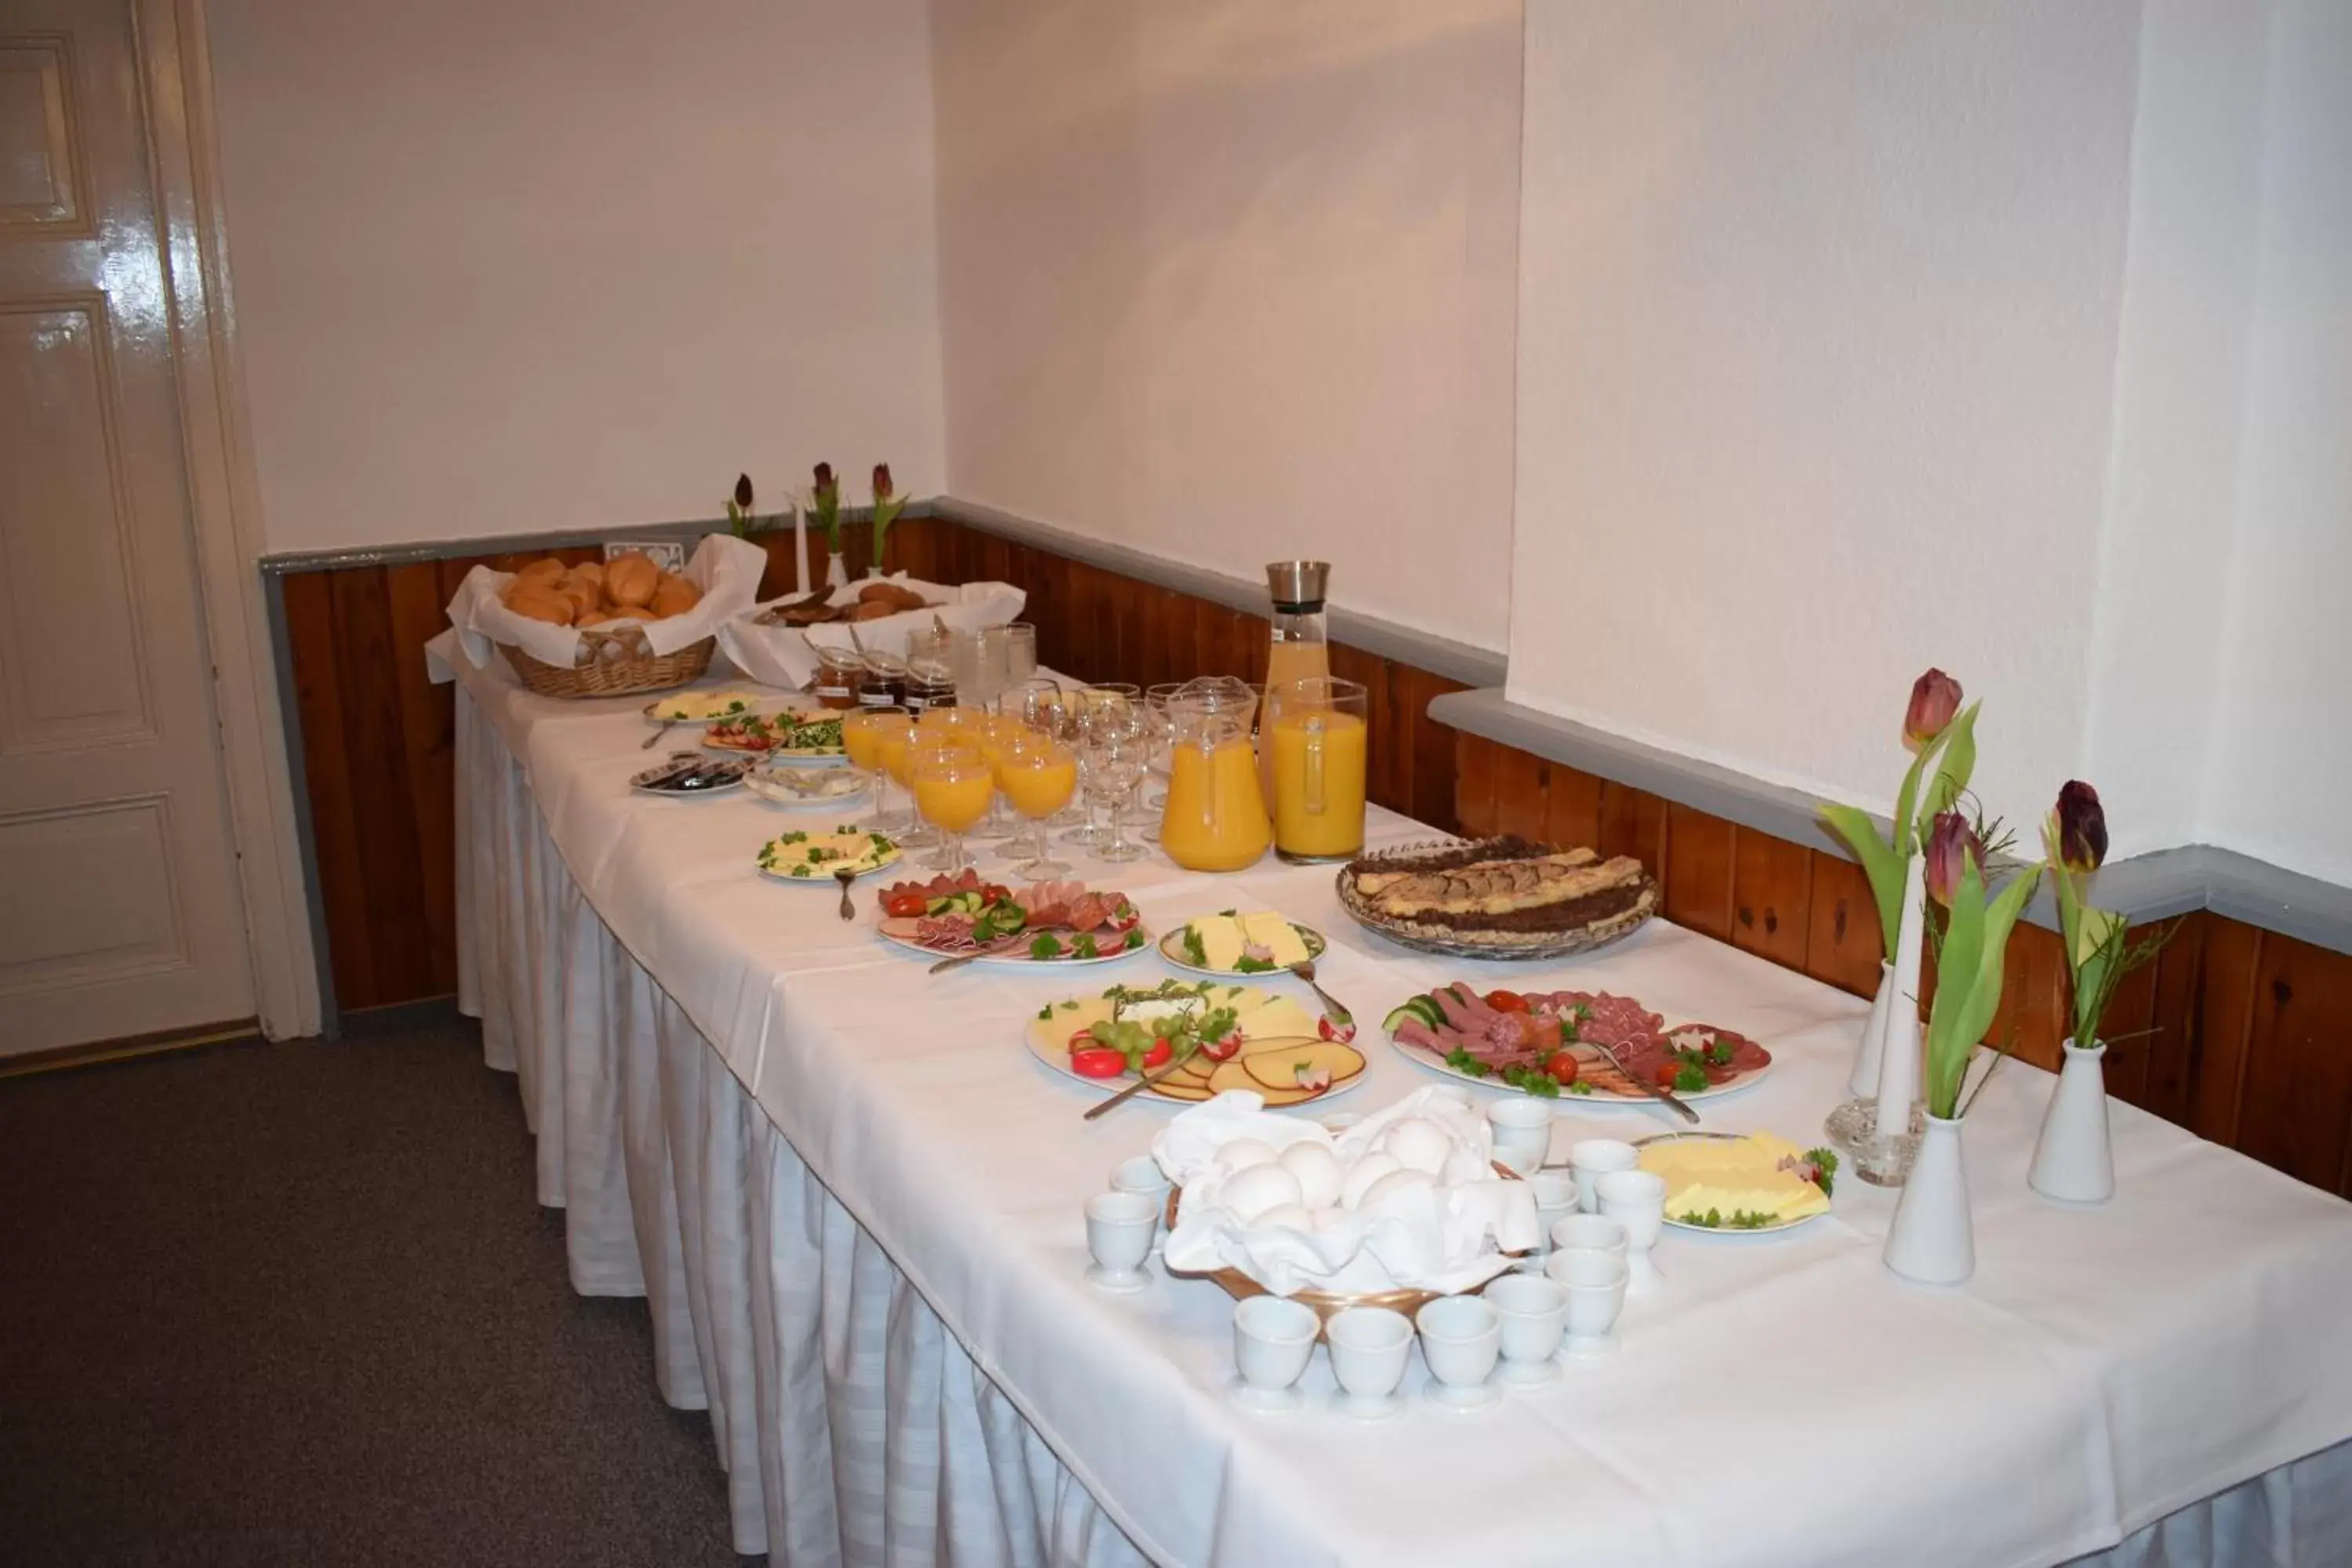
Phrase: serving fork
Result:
[1304,969]
[1644,1085]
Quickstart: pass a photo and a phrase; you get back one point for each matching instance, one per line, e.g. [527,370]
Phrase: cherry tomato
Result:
[1098,1061]
[1562,1068]
[1507,1002]
[1157,1055]
[906,906]
[1332,1030]
[1221,1050]
[1667,1073]
[995,895]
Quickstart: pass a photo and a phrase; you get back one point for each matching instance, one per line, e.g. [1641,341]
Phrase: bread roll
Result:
[595,618]
[871,610]
[876,591]
[589,572]
[673,595]
[583,597]
[540,605]
[631,579]
[547,572]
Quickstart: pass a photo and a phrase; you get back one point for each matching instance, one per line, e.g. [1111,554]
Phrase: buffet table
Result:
[853,1200]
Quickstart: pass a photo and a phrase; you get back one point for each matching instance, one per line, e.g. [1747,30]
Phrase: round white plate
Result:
[822,876]
[1172,947]
[1777,1229]
[753,704]
[1058,1061]
[727,786]
[1019,956]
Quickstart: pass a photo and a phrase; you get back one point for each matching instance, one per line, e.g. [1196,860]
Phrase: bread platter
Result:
[1502,898]
[1583,1044]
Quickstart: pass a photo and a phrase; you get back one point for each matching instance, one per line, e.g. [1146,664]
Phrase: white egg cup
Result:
[1595,1283]
[1636,1200]
[1273,1338]
[1142,1175]
[1368,1348]
[1119,1228]
[1535,1317]
[1592,1158]
[1590,1233]
[1521,1126]
[1460,1337]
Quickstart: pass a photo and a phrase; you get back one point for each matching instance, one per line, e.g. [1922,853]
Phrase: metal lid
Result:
[1297,584]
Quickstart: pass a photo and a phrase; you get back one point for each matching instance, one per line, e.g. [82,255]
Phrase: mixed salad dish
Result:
[777,735]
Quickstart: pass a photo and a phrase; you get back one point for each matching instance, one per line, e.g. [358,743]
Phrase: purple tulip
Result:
[2082,827]
[823,477]
[1950,847]
[882,490]
[1935,699]
[743,492]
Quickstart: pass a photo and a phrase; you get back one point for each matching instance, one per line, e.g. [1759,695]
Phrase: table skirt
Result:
[853,1426]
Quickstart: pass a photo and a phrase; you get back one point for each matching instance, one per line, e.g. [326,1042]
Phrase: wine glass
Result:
[1116,750]
[895,749]
[990,731]
[864,731]
[1163,760]
[1038,774]
[953,785]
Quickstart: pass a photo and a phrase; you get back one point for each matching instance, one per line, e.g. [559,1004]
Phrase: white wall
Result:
[505,268]
[1230,281]
[1818,314]
[2281,749]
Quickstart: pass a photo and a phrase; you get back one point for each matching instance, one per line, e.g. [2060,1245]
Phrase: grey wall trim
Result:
[305,834]
[1425,650]
[281,565]
[2155,886]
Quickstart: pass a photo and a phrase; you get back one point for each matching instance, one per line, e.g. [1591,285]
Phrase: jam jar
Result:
[884,684]
[839,675]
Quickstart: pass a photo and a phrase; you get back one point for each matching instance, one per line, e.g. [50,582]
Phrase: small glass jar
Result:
[931,683]
[840,674]
[884,684]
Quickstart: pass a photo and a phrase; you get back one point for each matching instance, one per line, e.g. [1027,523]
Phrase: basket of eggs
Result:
[608,603]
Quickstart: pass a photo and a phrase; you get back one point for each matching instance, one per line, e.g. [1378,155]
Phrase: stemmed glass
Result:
[1098,702]
[953,785]
[864,731]
[895,749]
[991,732]
[1038,774]
[1048,708]
[1116,749]
[1163,762]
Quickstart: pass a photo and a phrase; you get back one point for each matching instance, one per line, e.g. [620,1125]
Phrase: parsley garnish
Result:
[1532,1080]
[1045,947]
[1579,1087]
[1690,1078]
[1193,952]
[1739,1219]
[1084,946]
[1246,964]
[1825,1164]
[1047,1011]
[1461,1060]
[1134,940]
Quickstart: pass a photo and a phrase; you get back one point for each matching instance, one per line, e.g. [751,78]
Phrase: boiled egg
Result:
[1393,1193]
[1251,1192]
[1243,1152]
[1362,1174]
[1289,1215]
[1417,1145]
[1318,1173]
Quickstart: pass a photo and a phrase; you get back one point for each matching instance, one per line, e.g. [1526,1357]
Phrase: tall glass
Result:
[1019,641]
[1314,732]
[1098,700]
[1116,749]
[952,787]
[895,749]
[1156,699]
[1038,774]
[864,733]
[992,731]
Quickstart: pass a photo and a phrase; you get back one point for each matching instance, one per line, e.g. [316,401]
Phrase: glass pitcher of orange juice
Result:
[1314,736]
[1215,817]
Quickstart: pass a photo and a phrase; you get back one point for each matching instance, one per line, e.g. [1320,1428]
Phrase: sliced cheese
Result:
[1732,1176]
[1221,941]
[1276,935]
[1276,1018]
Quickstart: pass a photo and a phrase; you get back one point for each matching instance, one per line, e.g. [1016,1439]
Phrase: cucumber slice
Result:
[1419,1009]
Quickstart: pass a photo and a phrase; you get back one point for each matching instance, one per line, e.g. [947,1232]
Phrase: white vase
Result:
[837,573]
[1933,1240]
[1851,1122]
[1884,1157]
[2073,1160]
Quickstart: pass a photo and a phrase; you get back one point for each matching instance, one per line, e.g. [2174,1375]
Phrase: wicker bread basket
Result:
[1325,1303]
[613,664]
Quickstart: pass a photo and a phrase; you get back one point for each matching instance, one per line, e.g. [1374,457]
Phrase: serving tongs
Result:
[1644,1085]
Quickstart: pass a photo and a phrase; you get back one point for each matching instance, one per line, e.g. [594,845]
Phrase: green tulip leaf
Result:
[1958,763]
[1880,863]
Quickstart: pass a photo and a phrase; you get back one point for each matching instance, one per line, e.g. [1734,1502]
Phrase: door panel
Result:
[119,905]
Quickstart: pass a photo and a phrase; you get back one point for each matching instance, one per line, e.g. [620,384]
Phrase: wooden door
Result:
[119,907]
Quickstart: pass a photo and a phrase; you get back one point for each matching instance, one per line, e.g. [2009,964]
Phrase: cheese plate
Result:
[1232,943]
[817,858]
[1233,1036]
[1739,1183]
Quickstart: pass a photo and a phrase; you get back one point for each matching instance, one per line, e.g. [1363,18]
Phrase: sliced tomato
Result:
[1221,1050]
[1157,1055]
[1098,1061]
[906,906]
[1507,1002]
[1560,1068]
[993,894]
[1332,1029]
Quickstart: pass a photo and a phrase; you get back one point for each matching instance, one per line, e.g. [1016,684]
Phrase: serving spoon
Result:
[844,876]
[1304,969]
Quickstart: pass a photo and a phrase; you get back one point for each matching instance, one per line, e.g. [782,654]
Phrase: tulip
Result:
[743,492]
[1935,699]
[2082,827]
[823,477]
[882,490]
[1951,846]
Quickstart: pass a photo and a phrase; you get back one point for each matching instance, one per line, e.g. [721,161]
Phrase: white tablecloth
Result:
[854,1202]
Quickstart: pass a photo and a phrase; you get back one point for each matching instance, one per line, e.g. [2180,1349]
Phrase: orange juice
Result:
[1289,661]
[1215,818]
[1318,785]
[953,797]
[861,738]
[1038,783]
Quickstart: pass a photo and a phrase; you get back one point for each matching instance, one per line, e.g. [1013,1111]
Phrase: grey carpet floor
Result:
[295,1304]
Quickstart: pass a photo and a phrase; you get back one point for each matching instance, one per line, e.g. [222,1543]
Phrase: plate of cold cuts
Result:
[1583,1045]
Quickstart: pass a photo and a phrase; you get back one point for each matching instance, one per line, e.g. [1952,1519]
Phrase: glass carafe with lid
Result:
[1301,649]
[1215,817]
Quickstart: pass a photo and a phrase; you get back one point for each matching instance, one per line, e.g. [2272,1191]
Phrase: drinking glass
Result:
[992,731]
[1164,730]
[1048,708]
[864,735]
[1117,747]
[1020,643]
[1038,774]
[899,753]
[953,785]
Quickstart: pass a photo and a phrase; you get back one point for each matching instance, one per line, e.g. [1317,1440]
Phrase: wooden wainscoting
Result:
[2241,1035]
[379,740]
